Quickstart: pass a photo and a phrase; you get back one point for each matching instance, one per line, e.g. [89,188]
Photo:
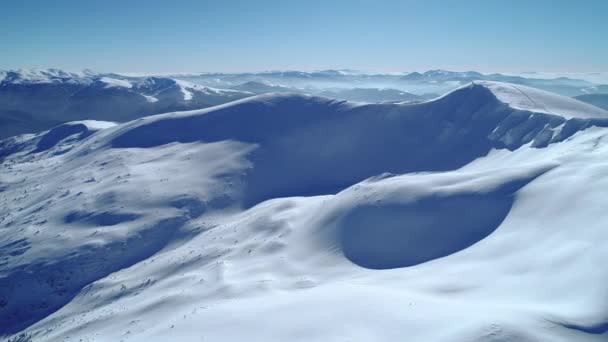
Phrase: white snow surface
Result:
[297,218]
[187,87]
[540,101]
[150,99]
[113,82]
[51,75]
[93,125]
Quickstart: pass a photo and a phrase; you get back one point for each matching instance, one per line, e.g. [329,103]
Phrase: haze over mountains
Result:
[598,100]
[477,216]
[33,100]
[432,81]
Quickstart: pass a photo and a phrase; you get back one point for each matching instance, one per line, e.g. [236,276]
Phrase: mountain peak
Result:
[539,101]
[40,76]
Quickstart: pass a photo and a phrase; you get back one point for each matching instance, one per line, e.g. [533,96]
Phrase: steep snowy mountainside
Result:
[287,217]
[34,100]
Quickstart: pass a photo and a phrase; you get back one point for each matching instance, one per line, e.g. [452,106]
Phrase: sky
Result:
[248,35]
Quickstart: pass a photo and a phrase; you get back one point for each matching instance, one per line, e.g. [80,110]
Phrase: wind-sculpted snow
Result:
[31,291]
[290,217]
[540,101]
[58,140]
[82,220]
[76,130]
[398,223]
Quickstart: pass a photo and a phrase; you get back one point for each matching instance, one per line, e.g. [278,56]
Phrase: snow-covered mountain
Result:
[562,85]
[419,83]
[477,216]
[442,75]
[33,100]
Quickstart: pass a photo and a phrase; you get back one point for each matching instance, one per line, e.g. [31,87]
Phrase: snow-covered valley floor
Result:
[478,216]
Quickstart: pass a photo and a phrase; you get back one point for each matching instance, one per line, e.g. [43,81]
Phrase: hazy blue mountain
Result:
[371,95]
[263,88]
[598,100]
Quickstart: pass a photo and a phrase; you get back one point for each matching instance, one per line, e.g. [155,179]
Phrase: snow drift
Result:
[451,219]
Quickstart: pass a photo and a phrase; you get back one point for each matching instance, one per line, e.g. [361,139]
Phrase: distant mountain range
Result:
[264,88]
[349,94]
[375,95]
[34,100]
[598,100]
[432,81]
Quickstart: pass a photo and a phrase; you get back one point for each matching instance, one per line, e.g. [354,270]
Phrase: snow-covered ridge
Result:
[25,76]
[186,225]
[49,76]
[187,87]
[35,99]
[540,101]
[483,102]
[32,100]
[273,118]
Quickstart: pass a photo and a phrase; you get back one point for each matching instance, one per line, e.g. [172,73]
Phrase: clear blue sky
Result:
[249,35]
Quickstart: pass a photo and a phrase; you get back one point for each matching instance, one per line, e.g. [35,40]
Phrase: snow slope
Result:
[295,218]
[540,101]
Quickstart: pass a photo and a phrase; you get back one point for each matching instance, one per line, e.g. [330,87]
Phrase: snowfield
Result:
[478,216]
